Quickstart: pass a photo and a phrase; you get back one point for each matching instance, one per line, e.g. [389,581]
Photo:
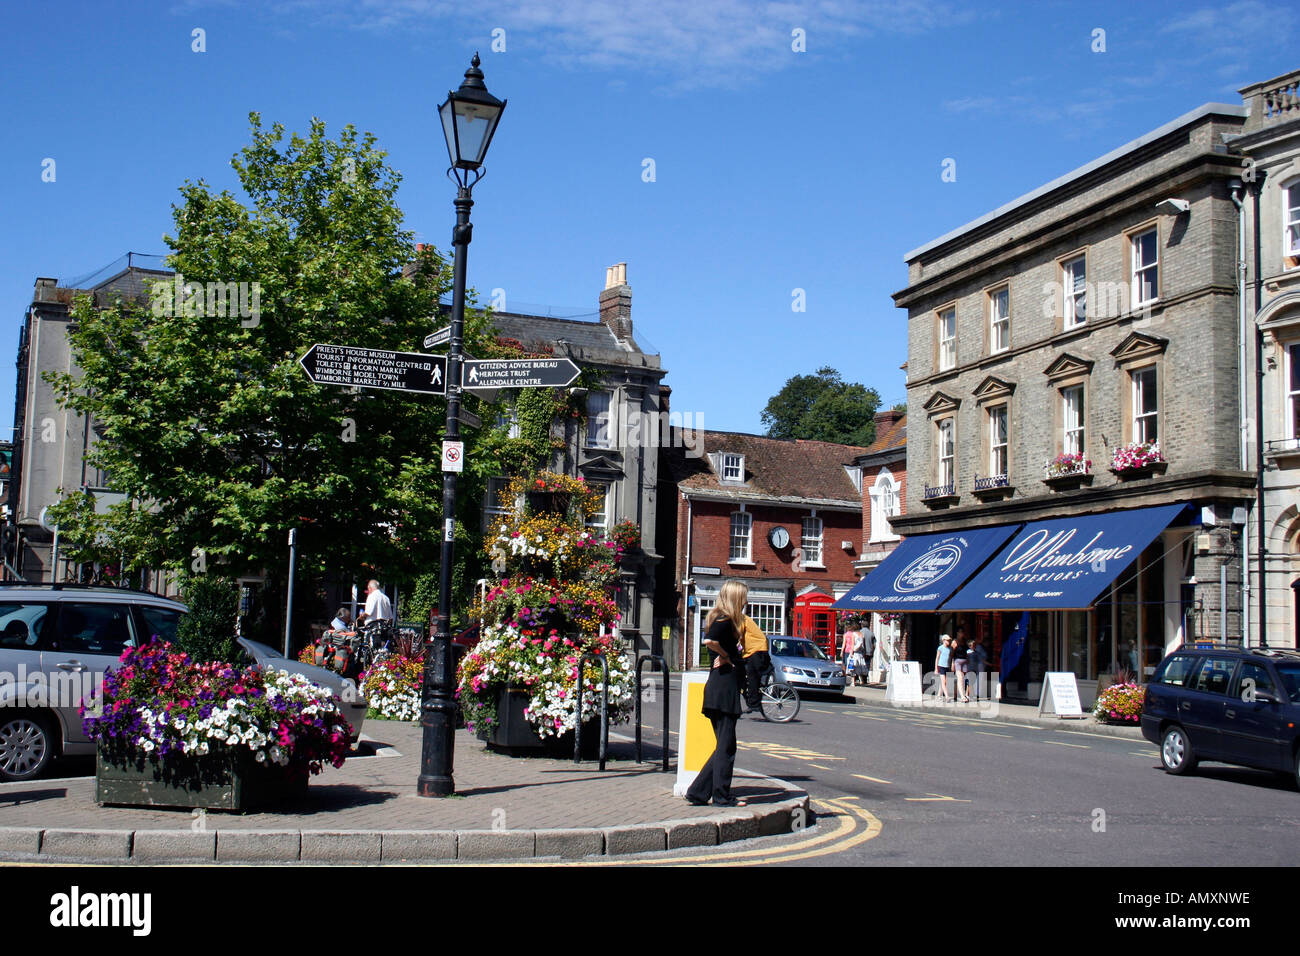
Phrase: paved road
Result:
[908,788]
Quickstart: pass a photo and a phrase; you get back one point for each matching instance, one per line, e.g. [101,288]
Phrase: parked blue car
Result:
[1232,706]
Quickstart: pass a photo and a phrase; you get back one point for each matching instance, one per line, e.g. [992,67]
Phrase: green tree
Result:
[823,407]
[205,421]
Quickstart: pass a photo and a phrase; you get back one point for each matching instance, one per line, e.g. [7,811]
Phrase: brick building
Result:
[1097,312]
[783,515]
[882,471]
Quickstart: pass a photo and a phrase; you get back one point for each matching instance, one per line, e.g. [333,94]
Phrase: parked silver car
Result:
[805,666]
[56,644]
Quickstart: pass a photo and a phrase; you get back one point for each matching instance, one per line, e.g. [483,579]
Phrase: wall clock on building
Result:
[779,537]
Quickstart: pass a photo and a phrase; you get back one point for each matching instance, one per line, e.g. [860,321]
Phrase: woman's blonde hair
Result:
[732,598]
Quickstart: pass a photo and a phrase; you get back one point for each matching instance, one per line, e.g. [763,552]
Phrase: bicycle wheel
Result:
[780,702]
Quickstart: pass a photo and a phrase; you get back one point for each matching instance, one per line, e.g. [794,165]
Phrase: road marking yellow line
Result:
[813,709]
[1144,753]
[989,733]
[1059,743]
[863,776]
[866,717]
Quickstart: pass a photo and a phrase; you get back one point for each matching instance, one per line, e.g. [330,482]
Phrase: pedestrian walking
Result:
[725,624]
[960,665]
[852,638]
[868,650]
[943,663]
[978,662]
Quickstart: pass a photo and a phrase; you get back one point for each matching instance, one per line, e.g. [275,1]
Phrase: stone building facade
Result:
[1269,144]
[1098,311]
[882,475]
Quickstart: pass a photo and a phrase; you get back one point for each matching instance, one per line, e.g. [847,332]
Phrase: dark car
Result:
[1232,706]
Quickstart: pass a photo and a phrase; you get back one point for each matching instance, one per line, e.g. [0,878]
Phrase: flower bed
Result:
[158,702]
[1120,704]
[392,688]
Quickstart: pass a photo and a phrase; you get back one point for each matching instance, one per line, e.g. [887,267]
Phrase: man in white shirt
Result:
[378,607]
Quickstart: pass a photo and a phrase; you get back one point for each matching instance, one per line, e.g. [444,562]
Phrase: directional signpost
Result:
[376,368]
[441,337]
[518,373]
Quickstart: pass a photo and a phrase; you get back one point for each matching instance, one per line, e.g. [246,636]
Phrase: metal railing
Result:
[1070,469]
[990,481]
[604,707]
[939,491]
[662,665]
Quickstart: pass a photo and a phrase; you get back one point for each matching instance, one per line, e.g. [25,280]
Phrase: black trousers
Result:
[714,778]
[756,666]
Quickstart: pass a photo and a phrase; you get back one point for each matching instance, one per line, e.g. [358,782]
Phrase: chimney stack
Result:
[616,302]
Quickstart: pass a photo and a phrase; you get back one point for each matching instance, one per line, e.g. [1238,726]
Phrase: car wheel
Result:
[26,746]
[1176,751]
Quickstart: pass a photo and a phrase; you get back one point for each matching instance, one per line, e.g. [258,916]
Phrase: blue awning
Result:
[924,570]
[1062,564]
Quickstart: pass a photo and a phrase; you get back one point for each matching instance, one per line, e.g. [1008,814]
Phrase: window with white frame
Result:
[998,440]
[811,542]
[947,451]
[1074,275]
[947,338]
[1145,254]
[770,618]
[600,520]
[1073,439]
[495,488]
[733,467]
[1291,219]
[741,525]
[884,505]
[1293,388]
[600,430]
[1000,320]
[1146,408]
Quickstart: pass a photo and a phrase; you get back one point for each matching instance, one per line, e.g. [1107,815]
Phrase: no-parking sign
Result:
[453,456]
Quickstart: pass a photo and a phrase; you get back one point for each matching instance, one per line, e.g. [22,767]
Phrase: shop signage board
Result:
[904,682]
[1060,696]
[357,367]
[698,569]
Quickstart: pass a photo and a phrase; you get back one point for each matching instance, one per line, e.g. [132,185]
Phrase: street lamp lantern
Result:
[469,118]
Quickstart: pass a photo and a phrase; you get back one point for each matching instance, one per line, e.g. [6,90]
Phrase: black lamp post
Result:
[469,118]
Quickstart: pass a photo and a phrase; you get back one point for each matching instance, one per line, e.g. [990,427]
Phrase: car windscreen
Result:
[797,649]
[1290,676]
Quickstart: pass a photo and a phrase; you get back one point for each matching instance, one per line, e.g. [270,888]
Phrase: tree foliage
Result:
[823,407]
[208,425]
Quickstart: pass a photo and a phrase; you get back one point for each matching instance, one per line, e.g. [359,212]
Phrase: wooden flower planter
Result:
[225,779]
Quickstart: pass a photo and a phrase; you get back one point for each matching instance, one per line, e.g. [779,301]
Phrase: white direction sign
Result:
[359,367]
[441,337]
[518,373]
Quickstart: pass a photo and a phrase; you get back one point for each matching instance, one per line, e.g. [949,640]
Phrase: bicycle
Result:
[778,701]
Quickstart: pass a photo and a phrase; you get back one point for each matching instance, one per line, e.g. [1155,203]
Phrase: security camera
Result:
[1173,207]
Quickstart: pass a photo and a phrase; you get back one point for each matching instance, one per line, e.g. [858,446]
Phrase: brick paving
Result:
[377,793]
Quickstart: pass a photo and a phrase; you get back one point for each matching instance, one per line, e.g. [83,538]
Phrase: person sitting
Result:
[342,620]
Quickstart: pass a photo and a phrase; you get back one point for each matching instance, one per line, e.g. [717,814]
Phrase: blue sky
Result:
[775,170]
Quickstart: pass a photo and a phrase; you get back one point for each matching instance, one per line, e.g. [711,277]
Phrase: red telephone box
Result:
[814,619]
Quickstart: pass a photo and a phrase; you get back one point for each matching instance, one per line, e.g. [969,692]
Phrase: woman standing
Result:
[852,638]
[960,665]
[942,663]
[725,623]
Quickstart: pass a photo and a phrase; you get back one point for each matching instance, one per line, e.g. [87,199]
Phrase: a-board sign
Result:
[1060,696]
[517,373]
[696,741]
[358,367]
[904,682]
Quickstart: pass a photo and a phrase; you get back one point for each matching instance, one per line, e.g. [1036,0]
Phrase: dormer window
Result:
[733,467]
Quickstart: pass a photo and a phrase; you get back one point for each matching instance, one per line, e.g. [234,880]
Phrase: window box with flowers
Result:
[1067,471]
[173,733]
[1138,460]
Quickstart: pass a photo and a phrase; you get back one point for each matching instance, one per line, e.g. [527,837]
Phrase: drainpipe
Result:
[1243,399]
[1262,528]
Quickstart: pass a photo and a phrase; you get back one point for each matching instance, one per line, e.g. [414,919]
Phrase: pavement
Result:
[367,811]
[873,695]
